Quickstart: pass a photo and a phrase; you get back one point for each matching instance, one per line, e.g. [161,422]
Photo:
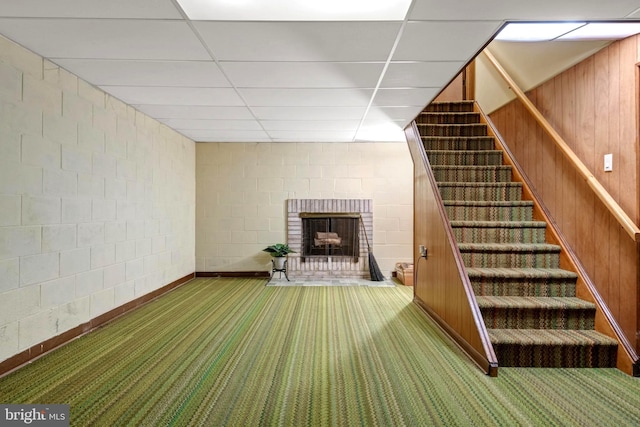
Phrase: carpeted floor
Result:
[234,352]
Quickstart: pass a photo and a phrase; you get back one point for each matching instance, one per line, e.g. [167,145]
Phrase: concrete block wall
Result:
[97,201]
[242,191]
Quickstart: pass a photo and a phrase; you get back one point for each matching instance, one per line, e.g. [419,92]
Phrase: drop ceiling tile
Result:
[366,124]
[457,41]
[105,38]
[195,112]
[299,41]
[226,135]
[418,97]
[307,97]
[420,74]
[396,114]
[313,136]
[303,74]
[199,124]
[311,125]
[309,113]
[174,96]
[521,10]
[147,73]
[151,9]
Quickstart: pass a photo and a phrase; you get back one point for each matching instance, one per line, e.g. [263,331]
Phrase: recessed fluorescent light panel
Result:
[603,31]
[536,31]
[295,10]
[548,31]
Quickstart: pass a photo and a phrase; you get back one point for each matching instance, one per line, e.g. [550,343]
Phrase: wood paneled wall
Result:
[441,285]
[462,87]
[594,107]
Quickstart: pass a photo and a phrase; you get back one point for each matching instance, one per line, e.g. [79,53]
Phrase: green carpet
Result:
[233,352]
[527,301]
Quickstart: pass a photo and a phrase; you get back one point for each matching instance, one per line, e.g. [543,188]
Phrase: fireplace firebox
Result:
[330,234]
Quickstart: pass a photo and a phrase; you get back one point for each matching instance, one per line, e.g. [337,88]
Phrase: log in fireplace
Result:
[330,234]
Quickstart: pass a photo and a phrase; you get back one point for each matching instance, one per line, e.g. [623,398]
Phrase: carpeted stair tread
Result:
[490,203]
[518,255]
[476,129]
[458,142]
[450,106]
[491,173]
[480,190]
[572,303]
[532,312]
[553,348]
[499,231]
[499,224]
[507,247]
[466,157]
[550,337]
[542,282]
[522,273]
[489,210]
[440,117]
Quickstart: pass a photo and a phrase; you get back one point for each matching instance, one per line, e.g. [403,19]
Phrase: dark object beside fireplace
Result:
[330,234]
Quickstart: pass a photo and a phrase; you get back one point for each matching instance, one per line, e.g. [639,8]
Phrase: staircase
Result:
[528,303]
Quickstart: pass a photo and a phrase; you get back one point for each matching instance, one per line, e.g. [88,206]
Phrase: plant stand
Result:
[280,270]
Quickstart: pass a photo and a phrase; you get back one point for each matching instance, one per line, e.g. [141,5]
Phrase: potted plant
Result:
[279,252]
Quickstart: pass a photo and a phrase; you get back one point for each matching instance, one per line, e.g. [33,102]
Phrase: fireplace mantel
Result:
[329,214]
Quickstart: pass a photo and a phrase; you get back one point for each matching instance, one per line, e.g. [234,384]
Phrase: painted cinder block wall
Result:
[97,201]
[242,191]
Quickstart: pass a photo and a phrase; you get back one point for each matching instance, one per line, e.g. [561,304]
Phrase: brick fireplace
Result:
[331,256]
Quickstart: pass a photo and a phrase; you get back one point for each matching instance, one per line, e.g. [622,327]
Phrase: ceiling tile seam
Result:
[386,65]
[215,59]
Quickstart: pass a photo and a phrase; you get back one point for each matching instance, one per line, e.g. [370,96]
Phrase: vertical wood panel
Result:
[453,92]
[602,221]
[594,106]
[559,157]
[569,119]
[628,129]
[547,151]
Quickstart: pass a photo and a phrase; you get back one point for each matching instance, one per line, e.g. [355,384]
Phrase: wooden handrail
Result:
[623,219]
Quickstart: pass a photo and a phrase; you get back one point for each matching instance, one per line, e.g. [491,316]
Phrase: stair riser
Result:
[508,192]
[458,143]
[499,235]
[448,118]
[452,130]
[551,356]
[518,318]
[461,158]
[524,289]
[452,174]
[450,107]
[510,260]
[493,213]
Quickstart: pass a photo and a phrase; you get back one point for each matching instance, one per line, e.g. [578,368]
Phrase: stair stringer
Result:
[441,284]
[627,360]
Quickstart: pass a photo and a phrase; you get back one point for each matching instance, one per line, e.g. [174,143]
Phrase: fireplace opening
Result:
[330,234]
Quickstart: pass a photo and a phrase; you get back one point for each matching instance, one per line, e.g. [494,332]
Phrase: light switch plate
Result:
[608,162]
